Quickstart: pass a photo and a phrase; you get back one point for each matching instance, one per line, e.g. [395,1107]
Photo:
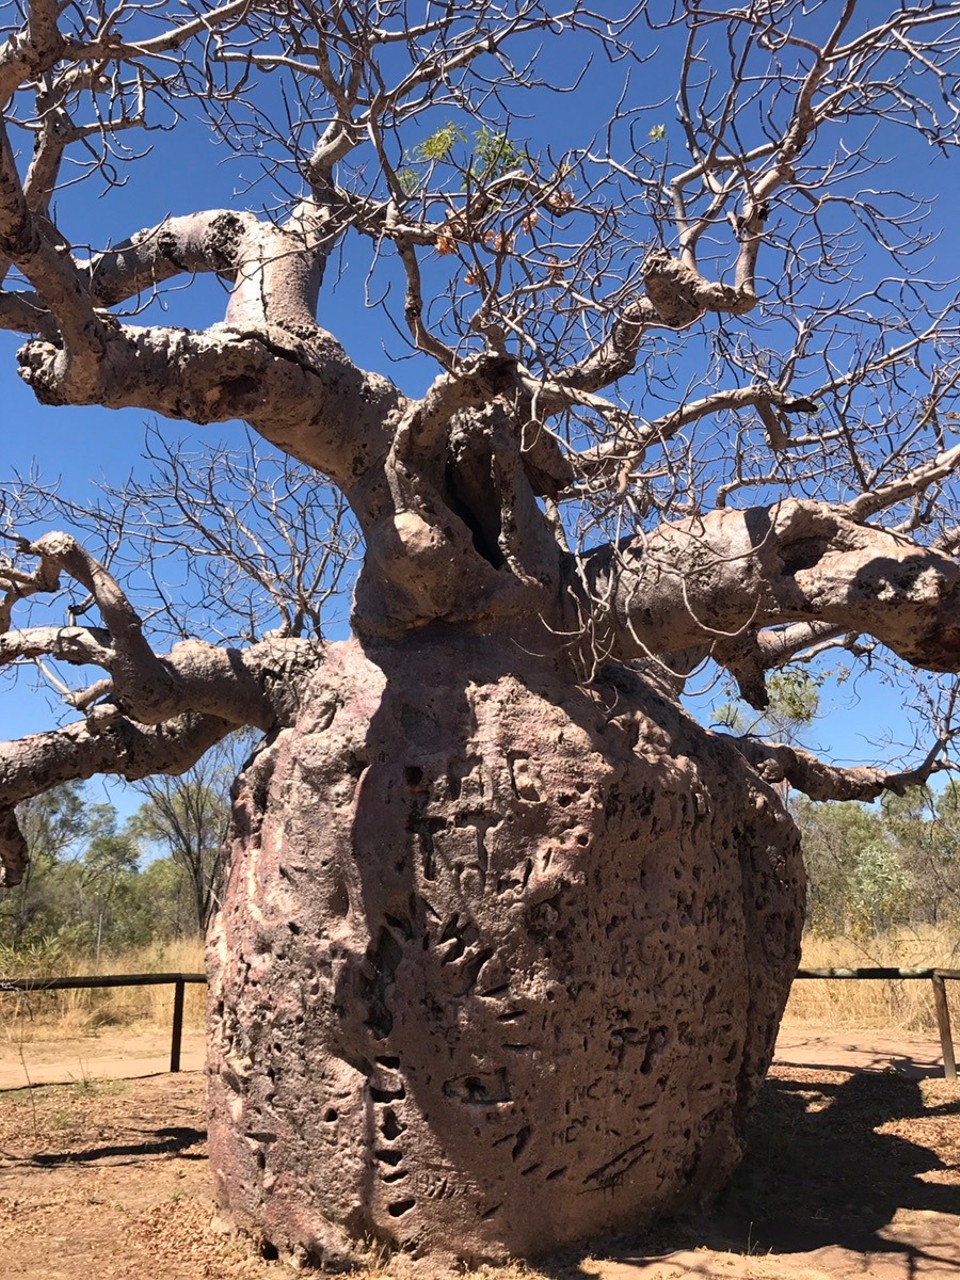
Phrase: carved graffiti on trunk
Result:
[554,980]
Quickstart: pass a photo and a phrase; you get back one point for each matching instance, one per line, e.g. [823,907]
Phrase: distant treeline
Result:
[97,885]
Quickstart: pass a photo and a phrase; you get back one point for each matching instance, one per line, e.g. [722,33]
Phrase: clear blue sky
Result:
[187,172]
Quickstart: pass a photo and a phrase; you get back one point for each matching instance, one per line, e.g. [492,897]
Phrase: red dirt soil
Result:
[848,1175]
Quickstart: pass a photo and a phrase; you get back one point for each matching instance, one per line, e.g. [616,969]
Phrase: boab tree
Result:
[506,934]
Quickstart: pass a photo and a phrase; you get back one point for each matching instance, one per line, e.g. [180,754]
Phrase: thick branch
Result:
[914,482]
[749,657]
[76,645]
[27,241]
[776,762]
[258,686]
[721,576]
[305,396]
[196,243]
[132,751]
[676,296]
[154,714]
[26,312]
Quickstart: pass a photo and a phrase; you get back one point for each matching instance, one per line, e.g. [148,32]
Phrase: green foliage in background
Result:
[95,886]
[875,868]
[794,705]
[482,157]
[870,868]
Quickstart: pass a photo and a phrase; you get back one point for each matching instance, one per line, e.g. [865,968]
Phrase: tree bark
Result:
[501,959]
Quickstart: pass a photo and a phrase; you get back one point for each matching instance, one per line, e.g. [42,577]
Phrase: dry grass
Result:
[903,1004]
[36,1015]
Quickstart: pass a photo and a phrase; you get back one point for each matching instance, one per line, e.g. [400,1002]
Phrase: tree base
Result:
[500,963]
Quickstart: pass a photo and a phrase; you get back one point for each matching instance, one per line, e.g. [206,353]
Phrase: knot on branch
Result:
[39,369]
[13,850]
[60,376]
[744,660]
[680,295]
[488,375]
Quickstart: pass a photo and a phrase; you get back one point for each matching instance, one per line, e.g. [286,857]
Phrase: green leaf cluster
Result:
[875,868]
[794,704]
[493,155]
[439,146]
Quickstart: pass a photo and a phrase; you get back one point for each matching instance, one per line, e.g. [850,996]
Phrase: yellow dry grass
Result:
[903,1005]
[39,1015]
[900,1004]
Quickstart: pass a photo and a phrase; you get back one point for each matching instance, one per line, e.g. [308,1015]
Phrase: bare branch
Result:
[28,244]
[266,378]
[749,657]
[717,578]
[33,765]
[915,482]
[238,686]
[609,460]
[819,780]
[194,244]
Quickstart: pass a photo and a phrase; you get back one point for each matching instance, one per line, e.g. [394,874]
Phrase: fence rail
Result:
[937,977]
[176,980]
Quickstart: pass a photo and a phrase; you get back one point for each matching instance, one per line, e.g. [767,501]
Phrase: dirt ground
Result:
[849,1175]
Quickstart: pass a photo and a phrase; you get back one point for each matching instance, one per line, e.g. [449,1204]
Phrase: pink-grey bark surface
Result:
[501,960]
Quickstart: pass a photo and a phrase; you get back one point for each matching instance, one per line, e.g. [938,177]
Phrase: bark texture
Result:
[501,961]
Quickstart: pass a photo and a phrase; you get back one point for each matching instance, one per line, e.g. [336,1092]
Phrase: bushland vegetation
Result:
[109,896]
[98,886]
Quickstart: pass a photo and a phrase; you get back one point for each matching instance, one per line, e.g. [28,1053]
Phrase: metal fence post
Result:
[943,1022]
[178,989]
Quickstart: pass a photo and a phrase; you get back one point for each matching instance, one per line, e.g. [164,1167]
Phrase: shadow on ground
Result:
[162,1142]
[819,1171]
[830,1164]
[847,1175]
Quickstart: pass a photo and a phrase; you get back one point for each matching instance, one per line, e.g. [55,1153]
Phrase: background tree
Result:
[924,825]
[103,902]
[166,896]
[81,890]
[835,838]
[691,398]
[52,823]
[187,817]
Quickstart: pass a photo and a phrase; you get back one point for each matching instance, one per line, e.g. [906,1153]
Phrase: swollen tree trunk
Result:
[505,937]
[501,959]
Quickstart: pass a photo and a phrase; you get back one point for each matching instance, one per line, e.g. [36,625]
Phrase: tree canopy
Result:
[693,371]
